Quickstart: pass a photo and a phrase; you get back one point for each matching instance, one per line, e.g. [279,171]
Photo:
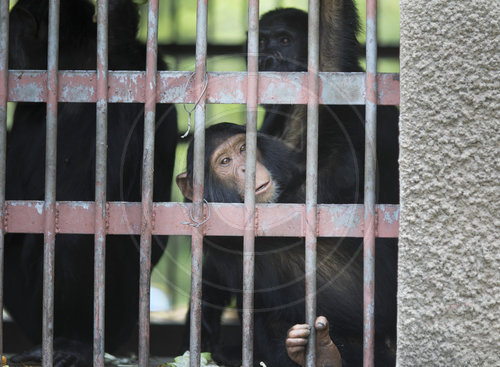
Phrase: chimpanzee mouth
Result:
[263,188]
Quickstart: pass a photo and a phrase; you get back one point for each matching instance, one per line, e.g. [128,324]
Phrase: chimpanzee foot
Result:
[67,353]
[327,354]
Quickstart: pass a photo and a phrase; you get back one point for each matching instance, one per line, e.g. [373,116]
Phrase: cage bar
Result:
[4,47]
[251,155]
[147,183]
[50,185]
[100,182]
[225,87]
[312,176]
[273,220]
[369,187]
[198,176]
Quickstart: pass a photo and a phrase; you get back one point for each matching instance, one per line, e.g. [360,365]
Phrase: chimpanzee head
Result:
[283,40]
[225,153]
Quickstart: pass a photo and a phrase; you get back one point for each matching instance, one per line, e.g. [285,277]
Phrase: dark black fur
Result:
[75,180]
[279,274]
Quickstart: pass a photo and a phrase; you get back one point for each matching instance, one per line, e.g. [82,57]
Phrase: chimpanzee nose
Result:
[267,63]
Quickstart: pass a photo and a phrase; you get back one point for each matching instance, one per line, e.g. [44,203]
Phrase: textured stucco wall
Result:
[449,263]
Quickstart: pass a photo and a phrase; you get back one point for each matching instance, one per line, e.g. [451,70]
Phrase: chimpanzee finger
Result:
[299,327]
[299,333]
[321,324]
[295,342]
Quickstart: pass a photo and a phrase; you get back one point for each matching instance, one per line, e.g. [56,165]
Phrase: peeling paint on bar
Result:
[39,208]
[311,214]
[280,220]
[389,216]
[370,218]
[224,87]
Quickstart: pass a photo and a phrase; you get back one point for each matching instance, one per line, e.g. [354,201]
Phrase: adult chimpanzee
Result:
[283,47]
[73,320]
[279,262]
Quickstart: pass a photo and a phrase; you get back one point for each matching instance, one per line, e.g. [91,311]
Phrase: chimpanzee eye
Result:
[285,40]
[243,148]
[225,161]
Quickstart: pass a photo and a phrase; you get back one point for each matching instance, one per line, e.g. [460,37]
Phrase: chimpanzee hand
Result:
[327,354]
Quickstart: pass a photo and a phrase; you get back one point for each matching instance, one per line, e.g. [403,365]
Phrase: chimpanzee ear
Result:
[184,185]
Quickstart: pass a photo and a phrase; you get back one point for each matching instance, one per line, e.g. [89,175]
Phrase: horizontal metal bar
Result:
[279,220]
[224,87]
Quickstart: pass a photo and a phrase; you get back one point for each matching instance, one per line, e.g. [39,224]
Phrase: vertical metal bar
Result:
[198,177]
[369,189]
[312,176]
[147,182]
[100,181]
[251,155]
[4,47]
[50,185]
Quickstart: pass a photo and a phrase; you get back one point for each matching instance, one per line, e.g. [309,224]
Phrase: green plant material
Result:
[183,361]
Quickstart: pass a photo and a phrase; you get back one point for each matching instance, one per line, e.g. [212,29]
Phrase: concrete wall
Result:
[449,263]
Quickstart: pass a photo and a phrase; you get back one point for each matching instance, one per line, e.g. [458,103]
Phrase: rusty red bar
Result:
[272,220]
[147,183]
[369,189]
[100,182]
[4,47]
[50,186]
[225,87]
[201,81]
[312,176]
[251,155]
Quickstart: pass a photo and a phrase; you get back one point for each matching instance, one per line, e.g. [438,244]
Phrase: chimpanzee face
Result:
[225,169]
[227,163]
[283,41]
